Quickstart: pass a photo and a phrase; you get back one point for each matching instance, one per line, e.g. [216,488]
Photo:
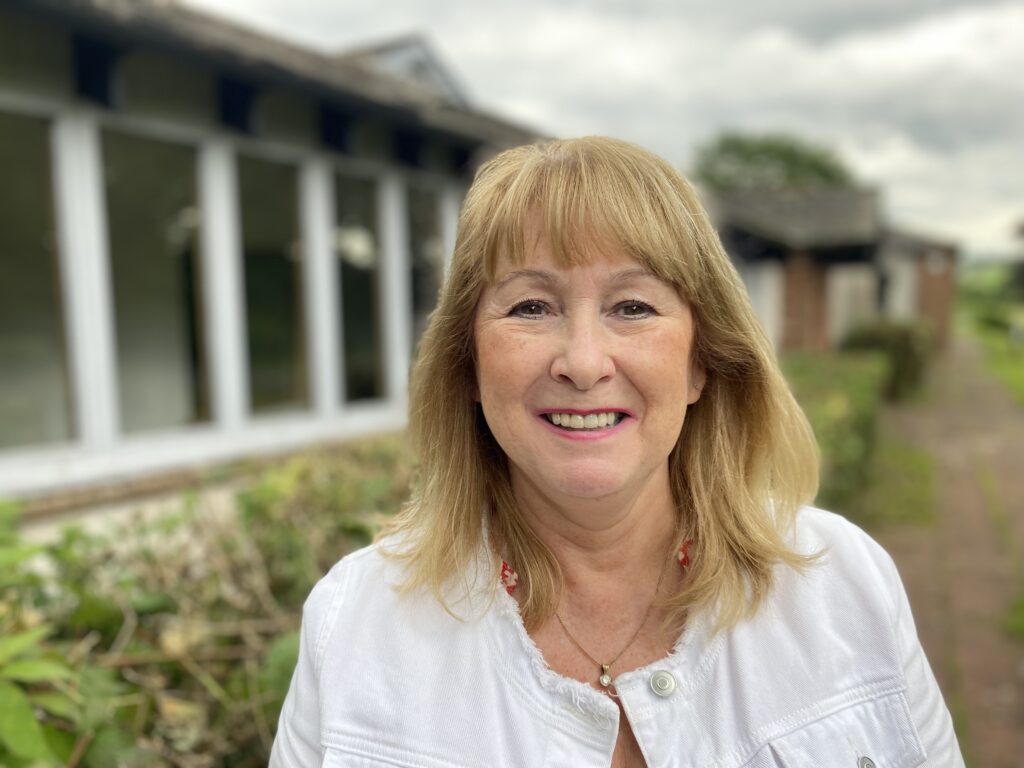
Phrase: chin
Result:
[589,482]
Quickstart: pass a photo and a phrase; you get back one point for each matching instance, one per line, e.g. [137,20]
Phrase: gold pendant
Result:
[605,679]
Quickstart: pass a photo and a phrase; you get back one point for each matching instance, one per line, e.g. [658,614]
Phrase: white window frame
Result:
[101,452]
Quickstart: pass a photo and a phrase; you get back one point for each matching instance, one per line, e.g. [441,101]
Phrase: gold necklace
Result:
[605,679]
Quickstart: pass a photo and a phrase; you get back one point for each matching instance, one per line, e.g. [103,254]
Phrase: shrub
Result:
[841,395]
[171,642]
[994,317]
[908,347]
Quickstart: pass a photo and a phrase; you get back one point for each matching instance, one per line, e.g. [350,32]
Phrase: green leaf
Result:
[11,556]
[35,671]
[10,516]
[152,602]
[279,663]
[96,612]
[57,704]
[98,687]
[15,645]
[19,731]
[112,747]
[62,743]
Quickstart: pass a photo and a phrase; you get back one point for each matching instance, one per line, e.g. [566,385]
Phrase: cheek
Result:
[667,375]
[499,364]
[668,358]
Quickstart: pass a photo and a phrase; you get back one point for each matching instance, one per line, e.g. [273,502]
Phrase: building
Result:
[214,244]
[807,258]
[818,262]
[918,277]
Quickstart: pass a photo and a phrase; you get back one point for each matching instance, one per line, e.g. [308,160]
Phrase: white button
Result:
[865,762]
[662,683]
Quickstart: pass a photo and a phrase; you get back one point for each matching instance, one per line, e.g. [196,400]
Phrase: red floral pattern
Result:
[509,577]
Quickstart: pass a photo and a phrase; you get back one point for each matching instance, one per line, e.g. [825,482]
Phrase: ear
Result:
[698,378]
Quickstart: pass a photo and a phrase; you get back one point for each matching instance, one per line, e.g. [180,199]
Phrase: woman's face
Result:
[584,373]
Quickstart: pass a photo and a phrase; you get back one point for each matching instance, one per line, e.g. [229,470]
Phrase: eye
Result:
[634,309]
[531,308]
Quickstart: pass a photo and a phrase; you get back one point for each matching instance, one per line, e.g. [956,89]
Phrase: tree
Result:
[770,161]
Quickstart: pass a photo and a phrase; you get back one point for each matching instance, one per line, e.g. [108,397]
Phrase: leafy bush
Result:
[172,642]
[841,395]
[908,347]
[994,317]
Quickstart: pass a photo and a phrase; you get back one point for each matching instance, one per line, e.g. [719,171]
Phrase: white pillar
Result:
[396,288]
[85,267]
[451,203]
[323,320]
[222,279]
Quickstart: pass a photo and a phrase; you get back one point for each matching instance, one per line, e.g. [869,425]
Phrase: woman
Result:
[607,561]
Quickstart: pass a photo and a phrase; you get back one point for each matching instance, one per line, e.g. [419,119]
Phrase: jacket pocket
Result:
[871,734]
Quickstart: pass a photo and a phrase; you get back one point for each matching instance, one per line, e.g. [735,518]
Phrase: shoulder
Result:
[819,526]
[839,613]
[364,598]
[362,582]
[844,550]
[851,580]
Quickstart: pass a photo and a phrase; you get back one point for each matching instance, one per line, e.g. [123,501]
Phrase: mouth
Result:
[579,422]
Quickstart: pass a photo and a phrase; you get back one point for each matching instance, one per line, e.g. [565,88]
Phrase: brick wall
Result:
[804,313]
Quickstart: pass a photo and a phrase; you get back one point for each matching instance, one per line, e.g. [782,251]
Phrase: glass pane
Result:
[357,246]
[153,221]
[426,252]
[272,250]
[35,402]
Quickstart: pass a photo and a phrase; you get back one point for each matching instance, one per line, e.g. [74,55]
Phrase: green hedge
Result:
[841,395]
[908,347]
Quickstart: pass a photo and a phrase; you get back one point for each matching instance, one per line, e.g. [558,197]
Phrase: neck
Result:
[610,538]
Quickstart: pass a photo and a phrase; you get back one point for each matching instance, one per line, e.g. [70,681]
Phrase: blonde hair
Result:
[745,459]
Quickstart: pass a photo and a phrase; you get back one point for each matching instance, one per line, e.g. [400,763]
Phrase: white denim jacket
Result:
[829,674]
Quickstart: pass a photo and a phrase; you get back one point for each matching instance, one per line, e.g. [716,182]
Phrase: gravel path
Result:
[964,573]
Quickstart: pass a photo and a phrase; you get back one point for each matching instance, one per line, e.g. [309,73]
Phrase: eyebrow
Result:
[543,276]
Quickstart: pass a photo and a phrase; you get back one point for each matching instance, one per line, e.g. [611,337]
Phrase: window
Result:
[357,246]
[272,250]
[35,401]
[426,251]
[153,224]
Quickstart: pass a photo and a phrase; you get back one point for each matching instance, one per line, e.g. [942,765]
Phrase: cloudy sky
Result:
[921,97]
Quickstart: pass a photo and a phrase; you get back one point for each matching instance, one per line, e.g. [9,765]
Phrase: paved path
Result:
[963,573]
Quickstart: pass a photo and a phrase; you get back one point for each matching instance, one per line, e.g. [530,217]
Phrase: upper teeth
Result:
[579,421]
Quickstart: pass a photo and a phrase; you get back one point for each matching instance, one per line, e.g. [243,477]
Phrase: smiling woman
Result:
[607,560]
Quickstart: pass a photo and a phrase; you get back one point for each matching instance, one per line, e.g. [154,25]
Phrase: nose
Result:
[584,355]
